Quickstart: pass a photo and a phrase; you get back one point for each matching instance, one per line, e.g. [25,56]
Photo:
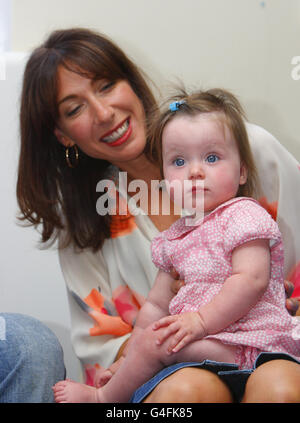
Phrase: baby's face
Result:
[201,155]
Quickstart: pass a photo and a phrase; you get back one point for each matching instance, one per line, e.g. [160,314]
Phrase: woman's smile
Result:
[119,135]
[106,114]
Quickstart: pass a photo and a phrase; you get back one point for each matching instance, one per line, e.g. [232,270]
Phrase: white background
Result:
[243,45]
[5,23]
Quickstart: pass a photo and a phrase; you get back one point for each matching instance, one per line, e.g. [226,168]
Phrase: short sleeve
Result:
[246,221]
[160,253]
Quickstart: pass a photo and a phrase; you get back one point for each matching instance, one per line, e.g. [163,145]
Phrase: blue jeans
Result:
[31,360]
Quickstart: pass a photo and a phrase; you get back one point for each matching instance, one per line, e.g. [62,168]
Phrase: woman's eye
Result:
[73,111]
[106,86]
[178,162]
[212,158]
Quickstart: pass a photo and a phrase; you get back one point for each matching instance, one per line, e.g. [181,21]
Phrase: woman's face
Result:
[105,119]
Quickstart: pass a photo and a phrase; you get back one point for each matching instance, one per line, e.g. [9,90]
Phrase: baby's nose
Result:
[196,171]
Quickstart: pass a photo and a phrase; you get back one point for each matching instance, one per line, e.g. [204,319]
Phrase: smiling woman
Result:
[79,86]
[99,115]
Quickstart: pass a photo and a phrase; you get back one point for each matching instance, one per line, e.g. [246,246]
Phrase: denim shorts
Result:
[234,378]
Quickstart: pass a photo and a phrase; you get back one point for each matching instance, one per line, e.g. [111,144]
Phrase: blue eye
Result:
[178,162]
[212,158]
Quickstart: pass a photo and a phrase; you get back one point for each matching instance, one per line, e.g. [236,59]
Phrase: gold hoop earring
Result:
[76,152]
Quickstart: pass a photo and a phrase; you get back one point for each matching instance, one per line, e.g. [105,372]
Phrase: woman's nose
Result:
[102,112]
[196,171]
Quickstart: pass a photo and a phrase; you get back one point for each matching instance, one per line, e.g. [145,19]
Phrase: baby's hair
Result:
[210,101]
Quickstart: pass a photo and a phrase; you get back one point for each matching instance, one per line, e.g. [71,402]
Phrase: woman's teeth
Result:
[117,134]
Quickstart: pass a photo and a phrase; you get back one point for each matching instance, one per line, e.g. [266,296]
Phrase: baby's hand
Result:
[183,328]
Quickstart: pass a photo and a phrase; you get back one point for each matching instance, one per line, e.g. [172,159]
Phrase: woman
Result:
[83,118]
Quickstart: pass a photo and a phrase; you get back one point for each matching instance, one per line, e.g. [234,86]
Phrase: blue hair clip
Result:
[175,105]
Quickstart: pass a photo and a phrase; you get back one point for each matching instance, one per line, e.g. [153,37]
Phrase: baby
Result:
[228,251]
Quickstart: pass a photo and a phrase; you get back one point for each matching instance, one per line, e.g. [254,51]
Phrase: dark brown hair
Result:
[50,193]
[213,100]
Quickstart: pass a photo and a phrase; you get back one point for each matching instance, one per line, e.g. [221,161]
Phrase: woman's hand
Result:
[182,328]
[292,304]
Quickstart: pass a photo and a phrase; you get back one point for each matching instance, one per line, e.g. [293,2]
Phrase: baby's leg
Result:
[143,360]
[207,349]
[70,391]
[147,358]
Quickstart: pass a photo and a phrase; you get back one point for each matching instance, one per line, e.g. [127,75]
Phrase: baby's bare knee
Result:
[147,344]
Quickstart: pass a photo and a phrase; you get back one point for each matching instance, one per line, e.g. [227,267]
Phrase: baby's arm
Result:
[156,305]
[240,292]
[157,302]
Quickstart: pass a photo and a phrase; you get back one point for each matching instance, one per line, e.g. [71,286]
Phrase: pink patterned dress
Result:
[201,255]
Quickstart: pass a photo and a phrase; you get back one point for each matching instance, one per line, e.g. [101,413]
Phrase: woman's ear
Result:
[243,174]
[62,138]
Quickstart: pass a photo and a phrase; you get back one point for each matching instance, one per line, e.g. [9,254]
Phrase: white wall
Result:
[243,45]
[31,281]
[5,23]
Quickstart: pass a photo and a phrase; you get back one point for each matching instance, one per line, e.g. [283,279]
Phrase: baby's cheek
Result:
[230,183]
